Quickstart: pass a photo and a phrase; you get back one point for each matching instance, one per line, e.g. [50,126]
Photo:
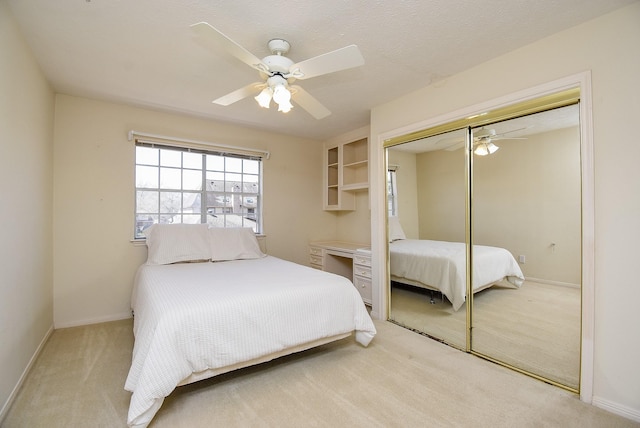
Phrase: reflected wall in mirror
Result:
[527,199]
[427,195]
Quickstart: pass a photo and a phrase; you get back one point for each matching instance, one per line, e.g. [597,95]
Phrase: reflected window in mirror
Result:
[392,191]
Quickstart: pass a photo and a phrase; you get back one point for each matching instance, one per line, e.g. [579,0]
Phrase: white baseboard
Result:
[14,392]
[550,282]
[78,323]
[618,409]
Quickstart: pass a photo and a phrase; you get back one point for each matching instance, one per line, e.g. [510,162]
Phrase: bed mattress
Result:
[194,317]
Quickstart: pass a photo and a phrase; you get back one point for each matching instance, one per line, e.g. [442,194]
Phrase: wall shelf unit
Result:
[346,171]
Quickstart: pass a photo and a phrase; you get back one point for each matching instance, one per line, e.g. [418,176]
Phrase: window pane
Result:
[147,155]
[233,165]
[192,160]
[170,218]
[170,178]
[250,178]
[146,202]
[250,187]
[233,181]
[170,158]
[191,203]
[215,185]
[250,166]
[170,202]
[215,176]
[147,177]
[191,179]
[218,203]
[215,163]
[191,219]
[143,222]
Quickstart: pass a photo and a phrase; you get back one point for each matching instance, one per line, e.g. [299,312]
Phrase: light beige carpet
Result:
[401,380]
[535,328]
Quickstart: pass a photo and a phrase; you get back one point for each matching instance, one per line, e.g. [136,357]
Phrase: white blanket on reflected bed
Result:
[442,265]
[194,316]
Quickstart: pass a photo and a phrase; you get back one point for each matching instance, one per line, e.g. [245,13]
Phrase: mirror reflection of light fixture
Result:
[276,89]
[485,148]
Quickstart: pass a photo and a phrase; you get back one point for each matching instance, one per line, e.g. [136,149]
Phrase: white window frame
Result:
[245,199]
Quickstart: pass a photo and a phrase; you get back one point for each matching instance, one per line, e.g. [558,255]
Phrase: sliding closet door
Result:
[427,193]
[527,200]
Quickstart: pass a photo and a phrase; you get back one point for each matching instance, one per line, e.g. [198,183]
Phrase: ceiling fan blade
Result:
[500,134]
[213,36]
[309,103]
[507,138]
[455,146]
[330,62]
[239,94]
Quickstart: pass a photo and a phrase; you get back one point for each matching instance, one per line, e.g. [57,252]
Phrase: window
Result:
[187,185]
[392,192]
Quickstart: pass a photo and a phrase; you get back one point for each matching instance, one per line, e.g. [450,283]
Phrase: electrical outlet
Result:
[522,259]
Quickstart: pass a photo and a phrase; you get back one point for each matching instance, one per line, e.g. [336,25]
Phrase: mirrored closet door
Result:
[492,204]
[427,194]
[527,200]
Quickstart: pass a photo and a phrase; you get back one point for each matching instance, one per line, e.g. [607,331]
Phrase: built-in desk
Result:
[353,261]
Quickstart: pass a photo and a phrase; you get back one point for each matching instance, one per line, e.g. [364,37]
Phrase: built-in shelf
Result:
[346,171]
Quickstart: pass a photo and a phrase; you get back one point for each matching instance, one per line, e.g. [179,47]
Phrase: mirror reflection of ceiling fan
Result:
[482,141]
[278,72]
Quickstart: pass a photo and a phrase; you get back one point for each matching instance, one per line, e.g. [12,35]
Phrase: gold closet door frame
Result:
[512,111]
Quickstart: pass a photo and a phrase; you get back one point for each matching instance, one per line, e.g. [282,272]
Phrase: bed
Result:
[195,318]
[441,265]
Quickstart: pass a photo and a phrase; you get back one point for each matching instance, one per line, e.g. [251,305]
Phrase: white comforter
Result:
[442,265]
[194,316]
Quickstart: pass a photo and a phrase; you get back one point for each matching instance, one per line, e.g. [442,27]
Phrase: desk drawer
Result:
[362,260]
[315,251]
[315,260]
[363,286]
[363,271]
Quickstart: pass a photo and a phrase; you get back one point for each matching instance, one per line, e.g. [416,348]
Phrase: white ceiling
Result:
[142,52]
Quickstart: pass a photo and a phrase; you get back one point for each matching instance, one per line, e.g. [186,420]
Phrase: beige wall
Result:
[26,125]
[94,260]
[442,195]
[355,226]
[606,46]
[526,196]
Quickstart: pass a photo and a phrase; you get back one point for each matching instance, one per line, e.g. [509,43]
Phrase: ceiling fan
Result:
[484,138]
[483,141]
[279,72]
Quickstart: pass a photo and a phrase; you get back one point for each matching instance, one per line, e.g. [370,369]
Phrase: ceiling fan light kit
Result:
[485,148]
[278,90]
[264,97]
[278,72]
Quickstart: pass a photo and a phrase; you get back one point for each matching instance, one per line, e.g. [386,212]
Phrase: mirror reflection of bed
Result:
[526,202]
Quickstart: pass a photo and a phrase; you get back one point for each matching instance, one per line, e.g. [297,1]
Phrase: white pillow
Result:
[233,243]
[395,229]
[173,243]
